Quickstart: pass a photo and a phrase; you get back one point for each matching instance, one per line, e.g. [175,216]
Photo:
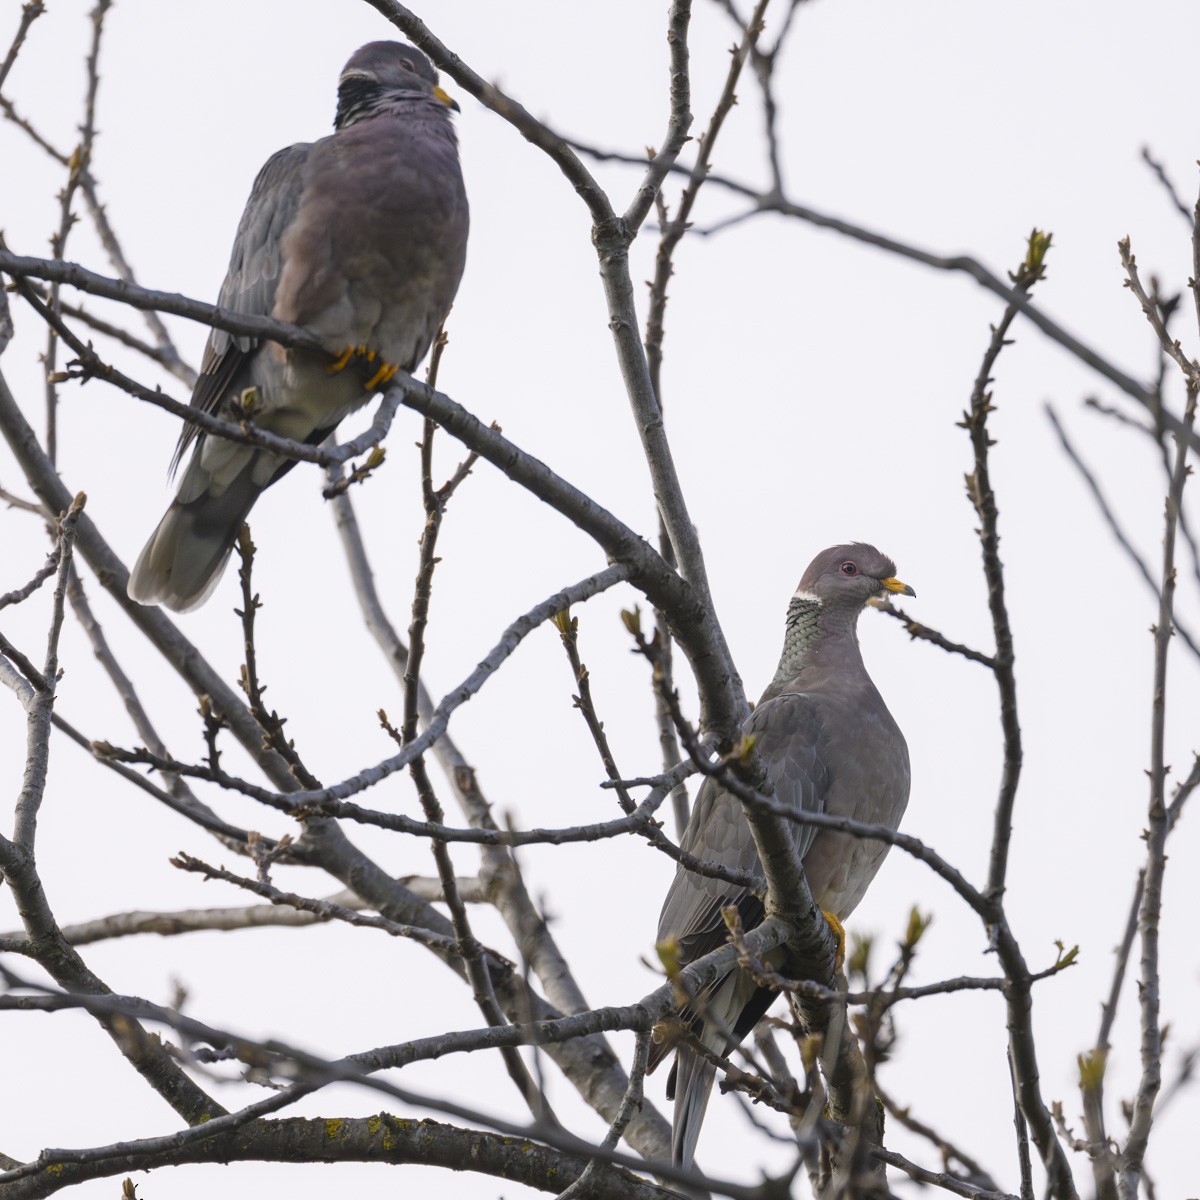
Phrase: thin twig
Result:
[919,632]
[630,1103]
[1022,1131]
[1160,173]
[1171,346]
[270,721]
[40,576]
[983,499]
[168,359]
[10,113]
[124,685]
[193,810]
[674,229]
[1108,1010]
[184,921]
[41,713]
[79,163]
[568,629]
[1156,434]
[1110,519]
[17,502]
[1182,792]
[1022,1046]
[1132,1171]
[949,1183]
[947,1149]
[325,910]
[30,11]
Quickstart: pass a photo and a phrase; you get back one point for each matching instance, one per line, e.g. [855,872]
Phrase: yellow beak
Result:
[897,586]
[446,99]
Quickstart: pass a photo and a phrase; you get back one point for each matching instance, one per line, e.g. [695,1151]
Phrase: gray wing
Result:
[790,740]
[253,276]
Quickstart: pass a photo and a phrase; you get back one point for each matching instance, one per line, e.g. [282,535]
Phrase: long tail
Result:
[693,1084]
[185,556]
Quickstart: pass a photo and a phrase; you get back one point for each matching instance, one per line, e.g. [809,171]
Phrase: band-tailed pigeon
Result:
[828,744]
[361,238]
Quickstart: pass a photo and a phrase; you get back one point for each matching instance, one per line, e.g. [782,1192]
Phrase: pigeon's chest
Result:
[376,250]
[869,783]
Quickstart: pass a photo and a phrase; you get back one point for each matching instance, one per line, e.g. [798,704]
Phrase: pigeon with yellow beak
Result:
[829,745]
[360,238]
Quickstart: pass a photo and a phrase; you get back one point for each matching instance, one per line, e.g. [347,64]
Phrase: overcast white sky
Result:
[812,388]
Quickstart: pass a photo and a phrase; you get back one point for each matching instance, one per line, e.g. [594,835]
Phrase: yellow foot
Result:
[382,375]
[385,373]
[839,936]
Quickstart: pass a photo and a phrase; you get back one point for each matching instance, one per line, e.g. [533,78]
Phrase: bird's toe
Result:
[384,375]
[839,935]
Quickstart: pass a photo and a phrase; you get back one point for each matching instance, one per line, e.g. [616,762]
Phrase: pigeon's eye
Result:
[848,568]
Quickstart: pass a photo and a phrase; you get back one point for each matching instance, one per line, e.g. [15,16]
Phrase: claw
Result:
[839,935]
[339,363]
[385,373]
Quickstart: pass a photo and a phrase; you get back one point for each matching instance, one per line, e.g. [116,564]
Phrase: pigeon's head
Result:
[848,576]
[382,71]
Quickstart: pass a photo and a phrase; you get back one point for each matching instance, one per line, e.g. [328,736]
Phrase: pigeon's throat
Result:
[361,98]
[811,627]
[357,98]
[801,638]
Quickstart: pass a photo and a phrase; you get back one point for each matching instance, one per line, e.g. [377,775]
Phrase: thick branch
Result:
[382,1139]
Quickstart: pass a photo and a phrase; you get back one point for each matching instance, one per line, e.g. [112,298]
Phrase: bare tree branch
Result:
[30,11]
[1022,1047]
[919,632]
[1132,1170]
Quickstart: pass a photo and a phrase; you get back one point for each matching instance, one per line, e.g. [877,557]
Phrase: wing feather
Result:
[254,268]
[790,739]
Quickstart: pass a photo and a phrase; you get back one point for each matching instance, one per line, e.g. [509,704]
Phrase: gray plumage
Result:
[361,239]
[828,744]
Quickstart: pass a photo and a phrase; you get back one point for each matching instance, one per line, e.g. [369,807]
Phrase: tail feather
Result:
[183,561]
[694,1077]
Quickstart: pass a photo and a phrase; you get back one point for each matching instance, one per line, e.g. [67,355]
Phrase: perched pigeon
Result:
[361,239]
[829,745]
